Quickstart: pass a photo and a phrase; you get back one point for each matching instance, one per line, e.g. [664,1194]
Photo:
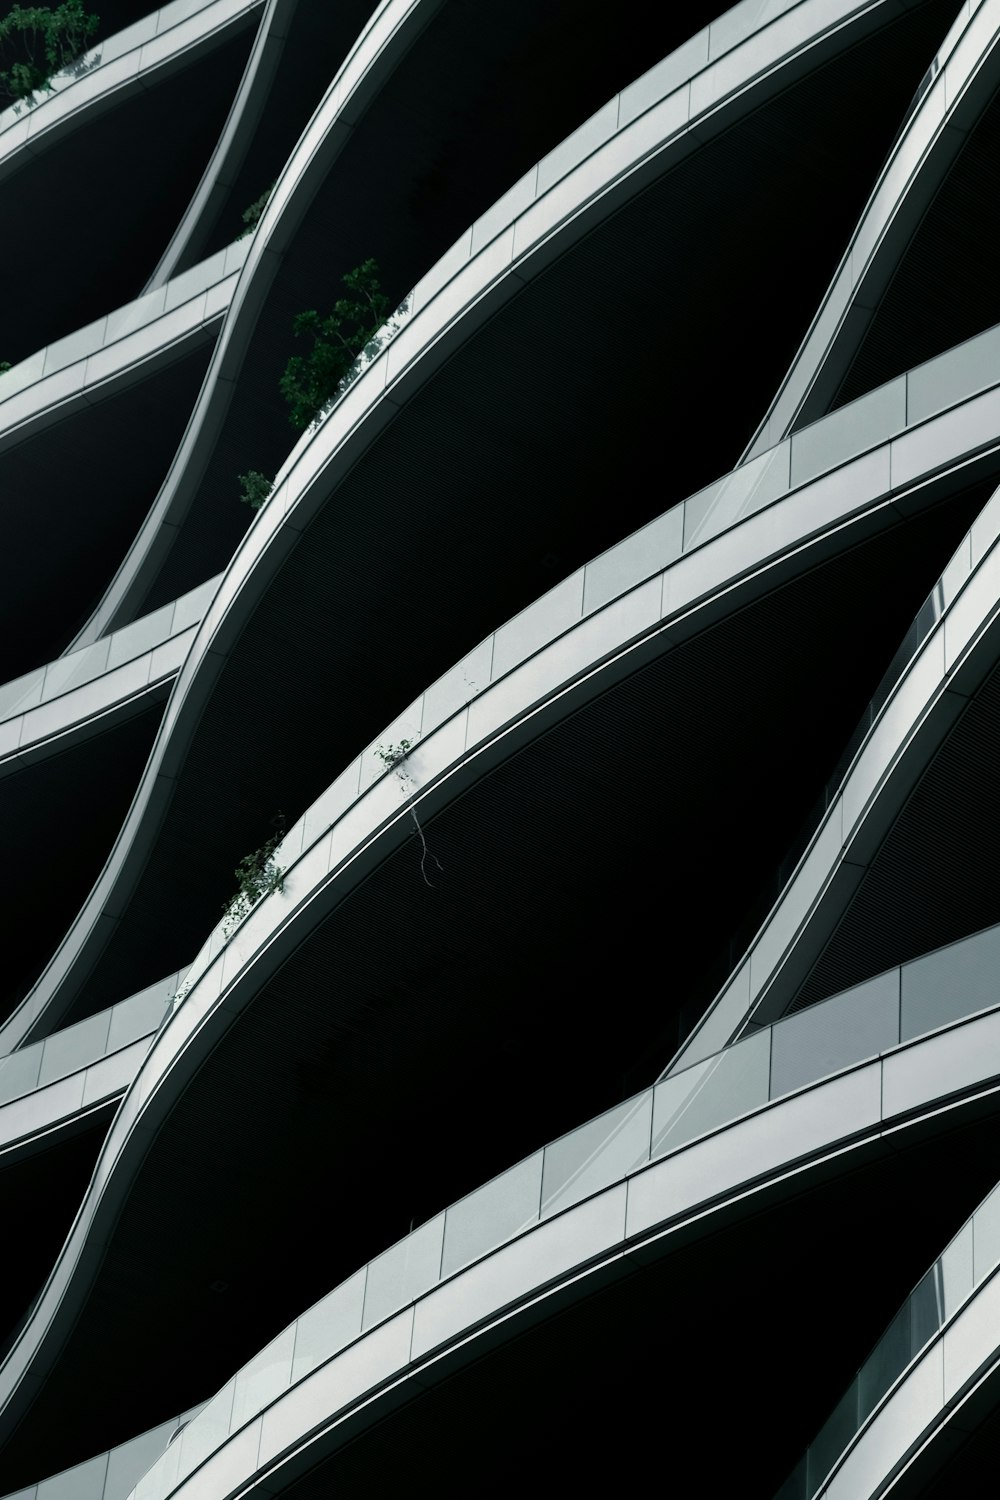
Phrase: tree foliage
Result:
[251,215]
[37,41]
[311,382]
[255,488]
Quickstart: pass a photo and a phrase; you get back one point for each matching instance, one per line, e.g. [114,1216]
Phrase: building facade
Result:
[600,1055]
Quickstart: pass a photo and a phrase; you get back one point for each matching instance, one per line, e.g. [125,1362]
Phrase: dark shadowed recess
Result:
[420,1040]
[945,288]
[936,876]
[494,88]
[40,1194]
[682,1367]
[110,193]
[72,498]
[60,817]
[812,1284]
[527,455]
[656,318]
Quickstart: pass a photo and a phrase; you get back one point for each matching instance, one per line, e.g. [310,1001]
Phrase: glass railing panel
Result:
[837,1432]
[748,489]
[74,346]
[950,983]
[986,1236]
[68,672]
[492,1214]
[141,1013]
[403,1273]
[850,1027]
[883,1366]
[729,1085]
[125,320]
[129,1462]
[140,636]
[69,1050]
[953,376]
[329,1326]
[265,1377]
[84,1482]
[21,375]
[21,694]
[189,609]
[19,1072]
[597,1154]
[926,1304]
[207,1431]
[954,1271]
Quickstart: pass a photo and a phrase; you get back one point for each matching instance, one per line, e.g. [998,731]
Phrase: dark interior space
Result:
[72,498]
[735,1335]
[708,1336]
[717,331]
[41,1194]
[141,160]
[61,816]
[934,878]
[945,288]
[409,1008]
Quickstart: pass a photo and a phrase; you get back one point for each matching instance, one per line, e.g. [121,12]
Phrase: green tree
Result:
[37,41]
[255,488]
[311,382]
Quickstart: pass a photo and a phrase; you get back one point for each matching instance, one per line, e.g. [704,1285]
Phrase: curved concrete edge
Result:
[639,134]
[933,689]
[115,70]
[76,696]
[57,1109]
[335,1370]
[344,836]
[961,88]
[761,530]
[120,349]
[233,143]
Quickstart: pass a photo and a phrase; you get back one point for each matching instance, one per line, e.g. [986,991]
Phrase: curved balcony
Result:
[946,668]
[683,104]
[544,668]
[960,85]
[606,1199]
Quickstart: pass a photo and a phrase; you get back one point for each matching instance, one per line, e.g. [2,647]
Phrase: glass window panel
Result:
[951,983]
[72,1049]
[833,1437]
[599,1153]
[860,1023]
[19,1072]
[266,1376]
[492,1214]
[887,1360]
[405,1272]
[729,1084]
[986,1236]
[329,1326]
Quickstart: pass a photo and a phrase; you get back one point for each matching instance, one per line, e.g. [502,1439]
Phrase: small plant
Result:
[255,488]
[38,41]
[311,383]
[4,366]
[257,875]
[251,215]
[394,758]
